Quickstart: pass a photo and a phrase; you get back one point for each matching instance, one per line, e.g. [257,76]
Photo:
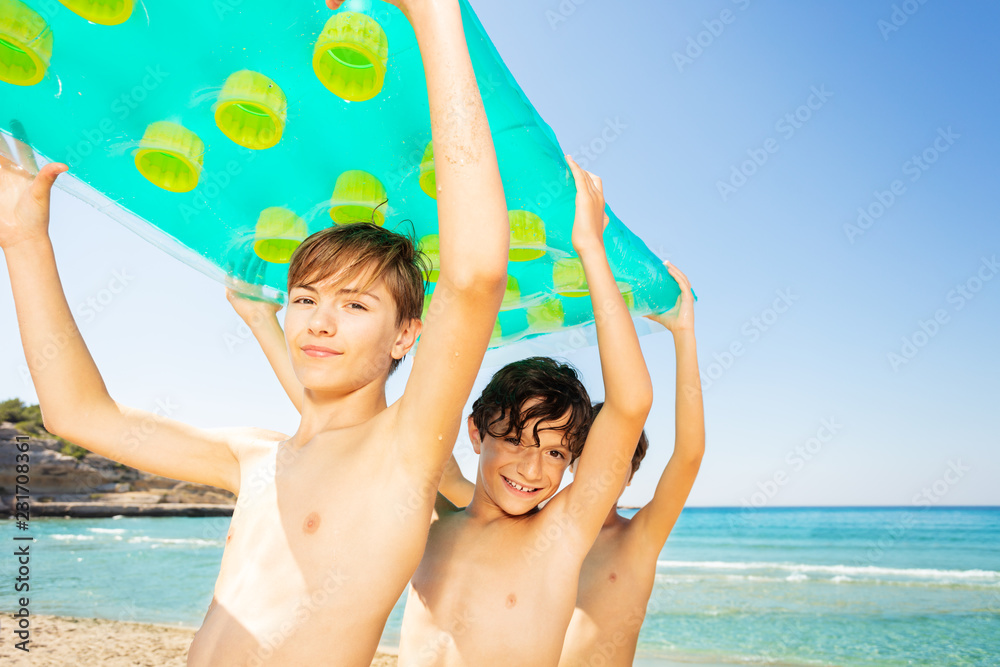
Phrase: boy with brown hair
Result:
[498,580]
[617,577]
[303,580]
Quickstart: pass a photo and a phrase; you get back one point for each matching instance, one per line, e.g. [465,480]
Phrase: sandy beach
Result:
[61,641]
[58,641]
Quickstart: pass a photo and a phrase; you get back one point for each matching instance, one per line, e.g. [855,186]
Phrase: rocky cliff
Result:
[62,485]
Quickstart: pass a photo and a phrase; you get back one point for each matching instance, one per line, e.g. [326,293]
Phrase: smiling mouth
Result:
[518,487]
[320,352]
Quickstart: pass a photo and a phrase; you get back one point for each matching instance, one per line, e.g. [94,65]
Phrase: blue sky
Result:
[806,112]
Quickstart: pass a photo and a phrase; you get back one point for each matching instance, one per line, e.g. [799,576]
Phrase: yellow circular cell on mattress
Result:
[170,156]
[497,334]
[350,56]
[546,316]
[105,12]
[511,295]
[430,245]
[278,233]
[568,278]
[251,110]
[357,197]
[527,236]
[25,44]
[428,177]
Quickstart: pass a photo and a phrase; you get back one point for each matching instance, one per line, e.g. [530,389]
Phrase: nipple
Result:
[311,524]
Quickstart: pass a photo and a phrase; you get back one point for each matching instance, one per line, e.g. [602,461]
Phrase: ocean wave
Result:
[111,531]
[60,536]
[872,571]
[160,541]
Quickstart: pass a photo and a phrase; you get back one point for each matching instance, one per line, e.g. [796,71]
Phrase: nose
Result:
[529,466]
[322,322]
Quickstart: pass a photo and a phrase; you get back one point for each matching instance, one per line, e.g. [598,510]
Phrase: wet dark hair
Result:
[640,449]
[499,410]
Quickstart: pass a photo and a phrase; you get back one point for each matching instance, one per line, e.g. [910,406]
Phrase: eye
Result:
[513,441]
[354,305]
[556,453]
[304,300]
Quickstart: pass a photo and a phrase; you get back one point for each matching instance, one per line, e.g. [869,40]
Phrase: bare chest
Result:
[487,595]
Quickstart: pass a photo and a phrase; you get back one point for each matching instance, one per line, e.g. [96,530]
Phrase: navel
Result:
[612,577]
[311,524]
[511,601]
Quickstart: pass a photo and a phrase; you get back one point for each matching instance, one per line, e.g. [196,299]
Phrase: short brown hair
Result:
[499,409]
[640,449]
[348,251]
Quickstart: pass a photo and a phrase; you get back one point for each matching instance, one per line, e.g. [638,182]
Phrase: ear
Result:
[574,465]
[407,338]
[474,436]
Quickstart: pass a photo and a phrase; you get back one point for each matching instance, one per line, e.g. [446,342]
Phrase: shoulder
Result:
[444,508]
[244,440]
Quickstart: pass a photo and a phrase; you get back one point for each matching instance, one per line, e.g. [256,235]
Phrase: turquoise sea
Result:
[794,586]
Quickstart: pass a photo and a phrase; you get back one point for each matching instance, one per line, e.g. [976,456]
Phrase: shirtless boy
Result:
[497,583]
[305,579]
[617,576]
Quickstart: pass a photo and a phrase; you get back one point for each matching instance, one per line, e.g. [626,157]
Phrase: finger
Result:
[674,271]
[681,277]
[583,184]
[607,221]
[5,151]
[41,187]
[25,154]
[597,183]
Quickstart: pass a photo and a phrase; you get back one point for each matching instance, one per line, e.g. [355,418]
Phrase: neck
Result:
[612,518]
[330,411]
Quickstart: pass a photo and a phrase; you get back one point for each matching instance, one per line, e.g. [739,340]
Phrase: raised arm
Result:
[606,459]
[474,237]
[261,317]
[454,486]
[653,523]
[74,401]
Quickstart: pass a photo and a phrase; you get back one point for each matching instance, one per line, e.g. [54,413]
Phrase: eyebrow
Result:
[343,290]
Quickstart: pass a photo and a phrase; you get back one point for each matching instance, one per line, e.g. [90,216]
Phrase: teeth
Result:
[518,486]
